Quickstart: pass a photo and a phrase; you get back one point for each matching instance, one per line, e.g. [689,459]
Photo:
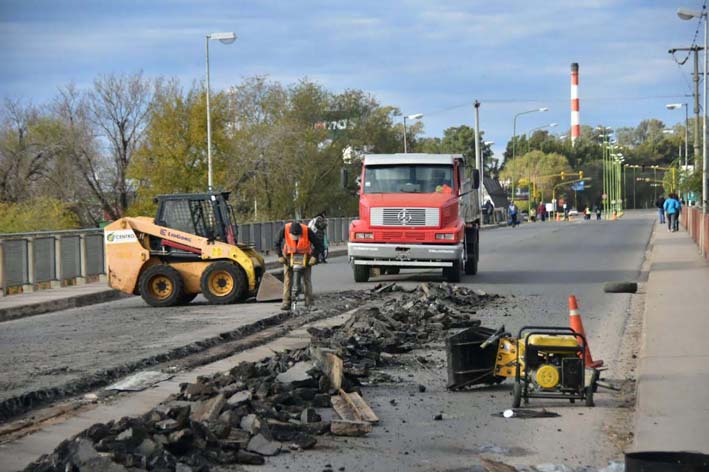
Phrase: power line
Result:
[551,100]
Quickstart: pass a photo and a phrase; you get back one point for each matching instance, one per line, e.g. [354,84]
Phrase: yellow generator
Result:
[551,364]
[190,247]
[545,362]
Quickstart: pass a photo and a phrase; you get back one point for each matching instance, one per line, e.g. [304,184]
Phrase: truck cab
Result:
[416,211]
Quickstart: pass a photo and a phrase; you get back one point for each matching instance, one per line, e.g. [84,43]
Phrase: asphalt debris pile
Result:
[400,324]
[260,409]
[254,411]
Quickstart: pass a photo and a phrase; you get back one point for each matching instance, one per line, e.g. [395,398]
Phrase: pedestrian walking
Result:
[597,210]
[671,208]
[542,212]
[512,215]
[660,204]
[488,211]
[587,213]
[679,211]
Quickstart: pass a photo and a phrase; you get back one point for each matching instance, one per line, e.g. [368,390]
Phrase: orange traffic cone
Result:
[576,324]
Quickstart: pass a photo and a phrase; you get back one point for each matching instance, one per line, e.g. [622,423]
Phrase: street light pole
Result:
[416,116]
[688,15]
[514,138]
[674,106]
[224,38]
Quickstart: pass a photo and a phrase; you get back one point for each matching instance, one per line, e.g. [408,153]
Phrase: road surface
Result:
[536,266]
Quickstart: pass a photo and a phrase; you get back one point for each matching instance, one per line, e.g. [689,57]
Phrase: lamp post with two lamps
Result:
[514,137]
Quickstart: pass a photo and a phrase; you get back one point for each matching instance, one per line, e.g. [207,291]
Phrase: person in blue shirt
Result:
[672,208]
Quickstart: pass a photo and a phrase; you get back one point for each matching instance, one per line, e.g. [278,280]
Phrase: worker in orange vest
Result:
[297,238]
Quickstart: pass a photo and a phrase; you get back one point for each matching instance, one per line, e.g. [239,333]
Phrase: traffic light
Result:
[563,175]
[580,174]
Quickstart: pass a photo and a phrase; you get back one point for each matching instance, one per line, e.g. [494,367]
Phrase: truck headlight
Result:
[445,236]
[364,235]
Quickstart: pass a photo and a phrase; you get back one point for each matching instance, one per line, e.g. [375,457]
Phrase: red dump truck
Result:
[416,211]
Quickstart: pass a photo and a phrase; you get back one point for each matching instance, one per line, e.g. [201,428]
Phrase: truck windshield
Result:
[421,178]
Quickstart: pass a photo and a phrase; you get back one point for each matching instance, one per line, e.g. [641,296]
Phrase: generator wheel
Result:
[161,285]
[361,273]
[223,282]
[517,395]
[589,396]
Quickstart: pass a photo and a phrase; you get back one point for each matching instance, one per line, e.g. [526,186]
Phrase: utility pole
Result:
[478,156]
[695,78]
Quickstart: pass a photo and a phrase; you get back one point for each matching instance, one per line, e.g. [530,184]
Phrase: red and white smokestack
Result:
[575,123]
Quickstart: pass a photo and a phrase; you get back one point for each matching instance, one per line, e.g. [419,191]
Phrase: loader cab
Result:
[208,215]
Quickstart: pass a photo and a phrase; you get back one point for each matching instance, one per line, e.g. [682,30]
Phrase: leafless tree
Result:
[118,108]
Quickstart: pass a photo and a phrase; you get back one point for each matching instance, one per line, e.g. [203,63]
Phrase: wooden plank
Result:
[350,428]
[364,410]
[330,364]
[344,409]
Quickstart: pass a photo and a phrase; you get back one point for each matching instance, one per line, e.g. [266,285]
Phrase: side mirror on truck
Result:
[476,178]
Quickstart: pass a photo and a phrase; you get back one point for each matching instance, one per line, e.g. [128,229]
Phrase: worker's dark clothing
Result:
[286,246]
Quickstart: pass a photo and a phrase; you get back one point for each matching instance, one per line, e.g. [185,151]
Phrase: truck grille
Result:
[383,216]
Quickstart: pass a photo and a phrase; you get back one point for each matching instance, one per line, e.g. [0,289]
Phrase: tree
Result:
[175,144]
[538,167]
[118,108]
[37,214]
[27,150]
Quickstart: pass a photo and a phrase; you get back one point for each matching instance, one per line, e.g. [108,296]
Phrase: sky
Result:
[433,57]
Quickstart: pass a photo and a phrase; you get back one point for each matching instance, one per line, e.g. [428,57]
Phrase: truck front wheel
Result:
[361,273]
[472,250]
[452,274]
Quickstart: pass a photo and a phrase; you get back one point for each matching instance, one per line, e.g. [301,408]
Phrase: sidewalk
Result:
[55,299]
[672,410]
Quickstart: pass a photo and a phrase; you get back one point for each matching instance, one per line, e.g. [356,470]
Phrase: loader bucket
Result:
[270,289]
[467,363]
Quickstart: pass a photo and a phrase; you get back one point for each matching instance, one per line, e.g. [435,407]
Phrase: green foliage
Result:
[538,167]
[39,214]
[459,140]
[173,156]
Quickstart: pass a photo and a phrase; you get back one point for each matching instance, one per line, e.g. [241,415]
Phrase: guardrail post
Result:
[57,283]
[29,286]
[81,279]
[2,270]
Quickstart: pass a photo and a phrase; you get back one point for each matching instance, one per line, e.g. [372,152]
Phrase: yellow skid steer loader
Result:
[190,247]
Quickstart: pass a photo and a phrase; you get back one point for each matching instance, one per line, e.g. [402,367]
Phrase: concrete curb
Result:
[75,301]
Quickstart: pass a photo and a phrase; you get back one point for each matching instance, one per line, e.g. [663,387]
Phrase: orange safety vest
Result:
[290,246]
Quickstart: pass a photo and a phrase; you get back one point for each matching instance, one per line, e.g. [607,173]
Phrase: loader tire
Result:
[161,285]
[223,283]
